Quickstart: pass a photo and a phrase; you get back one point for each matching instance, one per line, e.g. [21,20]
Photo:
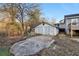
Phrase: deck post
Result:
[71,33]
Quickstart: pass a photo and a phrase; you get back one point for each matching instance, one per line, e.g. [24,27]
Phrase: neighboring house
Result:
[46,29]
[71,23]
[61,26]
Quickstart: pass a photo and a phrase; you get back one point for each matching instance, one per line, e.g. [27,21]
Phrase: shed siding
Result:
[46,29]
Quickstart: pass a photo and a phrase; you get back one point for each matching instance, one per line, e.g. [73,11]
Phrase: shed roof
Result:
[44,23]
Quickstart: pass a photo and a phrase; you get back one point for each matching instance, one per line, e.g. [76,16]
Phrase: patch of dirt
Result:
[63,46]
[7,42]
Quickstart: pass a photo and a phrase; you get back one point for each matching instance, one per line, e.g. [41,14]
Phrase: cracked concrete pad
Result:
[31,45]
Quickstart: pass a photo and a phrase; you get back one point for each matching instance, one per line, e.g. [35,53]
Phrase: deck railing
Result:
[74,26]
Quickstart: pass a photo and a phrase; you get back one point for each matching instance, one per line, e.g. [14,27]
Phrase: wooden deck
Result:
[73,27]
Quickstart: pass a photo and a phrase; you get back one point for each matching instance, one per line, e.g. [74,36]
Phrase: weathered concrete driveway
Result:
[31,45]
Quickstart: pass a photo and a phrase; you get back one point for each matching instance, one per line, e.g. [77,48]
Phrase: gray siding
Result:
[46,29]
[71,19]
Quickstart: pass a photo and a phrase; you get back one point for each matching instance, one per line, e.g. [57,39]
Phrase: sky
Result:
[58,10]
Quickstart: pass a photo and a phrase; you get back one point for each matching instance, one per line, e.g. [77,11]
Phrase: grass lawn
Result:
[4,52]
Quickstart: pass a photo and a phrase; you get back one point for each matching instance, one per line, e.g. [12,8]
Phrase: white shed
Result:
[46,29]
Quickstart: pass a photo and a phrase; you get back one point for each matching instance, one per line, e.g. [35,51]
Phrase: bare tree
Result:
[53,21]
[21,10]
[10,8]
[34,15]
[32,11]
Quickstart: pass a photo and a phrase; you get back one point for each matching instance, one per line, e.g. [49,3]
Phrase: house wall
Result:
[46,29]
[68,20]
[62,25]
